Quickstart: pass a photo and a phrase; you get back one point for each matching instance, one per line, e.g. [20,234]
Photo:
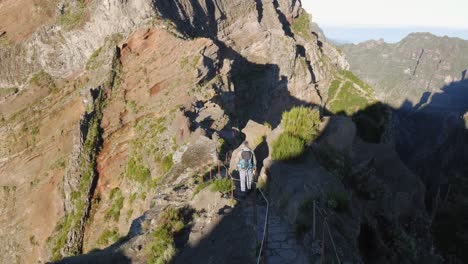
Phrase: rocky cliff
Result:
[114,114]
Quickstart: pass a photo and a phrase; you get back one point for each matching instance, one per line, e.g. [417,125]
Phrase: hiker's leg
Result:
[249,179]
[242,174]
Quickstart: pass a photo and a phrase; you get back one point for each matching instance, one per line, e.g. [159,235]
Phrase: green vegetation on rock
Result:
[137,172]
[300,128]
[348,100]
[333,89]
[93,62]
[116,200]
[301,122]
[80,197]
[287,147]
[74,15]
[223,185]
[108,237]
[43,79]
[161,249]
[301,25]
[201,184]
[353,78]
[167,163]
[348,94]
[8,91]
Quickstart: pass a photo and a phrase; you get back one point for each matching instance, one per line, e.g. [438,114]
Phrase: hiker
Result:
[246,166]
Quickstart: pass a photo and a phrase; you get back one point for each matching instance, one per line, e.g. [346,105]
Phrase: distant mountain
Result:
[404,71]
[424,78]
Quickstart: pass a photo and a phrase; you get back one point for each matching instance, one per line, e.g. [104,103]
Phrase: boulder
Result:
[338,132]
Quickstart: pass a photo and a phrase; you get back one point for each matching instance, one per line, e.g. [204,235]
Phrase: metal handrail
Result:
[265,225]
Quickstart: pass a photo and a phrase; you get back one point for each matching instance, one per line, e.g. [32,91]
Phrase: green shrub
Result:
[301,122]
[108,237]
[162,248]
[137,172]
[220,145]
[222,185]
[287,147]
[116,199]
[337,201]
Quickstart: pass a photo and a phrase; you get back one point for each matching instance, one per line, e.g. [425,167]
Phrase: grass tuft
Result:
[116,199]
[74,15]
[301,25]
[223,185]
[137,172]
[108,237]
[301,122]
[161,248]
[287,147]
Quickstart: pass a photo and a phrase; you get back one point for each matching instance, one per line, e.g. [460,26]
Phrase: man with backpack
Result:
[246,166]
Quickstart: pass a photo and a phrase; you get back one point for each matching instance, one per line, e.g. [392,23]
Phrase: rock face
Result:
[378,198]
[118,114]
[59,50]
[410,71]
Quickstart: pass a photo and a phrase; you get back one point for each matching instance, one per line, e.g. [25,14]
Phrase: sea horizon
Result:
[390,34]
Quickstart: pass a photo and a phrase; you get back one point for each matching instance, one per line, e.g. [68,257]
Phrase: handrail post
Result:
[323,241]
[232,188]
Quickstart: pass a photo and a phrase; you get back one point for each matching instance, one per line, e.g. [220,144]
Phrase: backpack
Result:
[246,161]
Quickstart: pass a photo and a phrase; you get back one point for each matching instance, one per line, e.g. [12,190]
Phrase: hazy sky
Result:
[394,13]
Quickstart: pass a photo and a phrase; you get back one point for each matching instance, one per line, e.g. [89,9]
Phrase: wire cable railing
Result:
[265,224]
[316,209]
